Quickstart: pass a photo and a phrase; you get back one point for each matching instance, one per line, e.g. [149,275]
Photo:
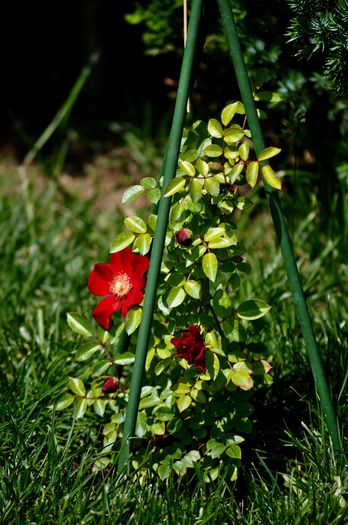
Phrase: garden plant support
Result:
[169,170]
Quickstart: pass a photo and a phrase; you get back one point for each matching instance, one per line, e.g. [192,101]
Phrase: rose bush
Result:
[195,403]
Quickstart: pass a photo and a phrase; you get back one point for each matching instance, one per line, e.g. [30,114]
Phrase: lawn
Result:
[51,234]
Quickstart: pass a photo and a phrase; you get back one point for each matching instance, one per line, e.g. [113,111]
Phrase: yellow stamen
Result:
[120,285]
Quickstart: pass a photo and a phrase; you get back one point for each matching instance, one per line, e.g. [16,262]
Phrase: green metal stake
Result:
[171,161]
[281,228]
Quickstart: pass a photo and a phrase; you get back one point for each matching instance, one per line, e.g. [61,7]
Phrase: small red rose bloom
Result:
[122,281]
[190,346]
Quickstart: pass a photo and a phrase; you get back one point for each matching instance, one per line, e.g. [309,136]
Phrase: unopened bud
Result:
[237,259]
[109,386]
[184,237]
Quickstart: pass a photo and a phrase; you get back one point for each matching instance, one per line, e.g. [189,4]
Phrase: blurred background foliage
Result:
[128,98]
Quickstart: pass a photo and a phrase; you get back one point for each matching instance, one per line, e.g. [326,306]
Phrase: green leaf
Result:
[87,350]
[163,413]
[187,167]
[221,303]
[212,364]
[228,113]
[213,150]
[175,297]
[80,408]
[242,379]
[252,173]
[63,402]
[232,135]
[234,452]
[132,193]
[215,449]
[231,153]
[190,155]
[158,428]
[135,224]
[162,365]
[220,243]
[253,309]
[154,195]
[244,150]
[99,406]
[210,265]
[236,171]
[215,128]
[79,324]
[183,403]
[126,358]
[152,221]
[193,289]
[141,425]
[175,185]
[195,189]
[148,182]
[270,176]
[212,186]
[214,233]
[202,167]
[132,320]
[143,243]
[76,386]
[267,96]
[164,470]
[268,153]
[121,241]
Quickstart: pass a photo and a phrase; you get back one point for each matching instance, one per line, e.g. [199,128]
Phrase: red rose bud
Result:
[237,259]
[109,386]
[184,237]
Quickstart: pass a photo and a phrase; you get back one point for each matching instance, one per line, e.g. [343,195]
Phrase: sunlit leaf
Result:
[252,173]
[132,193]
[210,265]
[175,185]
[215,128]
[76,386]
[268,153]
[79,324]
[270,176]
[132,320]
[135,224]
[253,309]
[121,241]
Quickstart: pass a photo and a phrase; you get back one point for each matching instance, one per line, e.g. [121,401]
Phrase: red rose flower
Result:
[190,346]
[122,281]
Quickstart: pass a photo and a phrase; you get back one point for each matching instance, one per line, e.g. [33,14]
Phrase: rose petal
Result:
[100,278]
[133,297]
[140,265]
[121,261]
[199,360]
[103,311]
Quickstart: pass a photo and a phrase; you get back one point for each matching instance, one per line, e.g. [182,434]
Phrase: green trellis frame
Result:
[168,172]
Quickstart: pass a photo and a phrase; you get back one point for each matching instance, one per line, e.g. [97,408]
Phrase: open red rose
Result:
[122,281]
[190,346]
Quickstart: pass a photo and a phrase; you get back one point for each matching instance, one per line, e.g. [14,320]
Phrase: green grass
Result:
[49,242]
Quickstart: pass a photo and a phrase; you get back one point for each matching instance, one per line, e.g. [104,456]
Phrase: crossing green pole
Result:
[281,228]
[171,161]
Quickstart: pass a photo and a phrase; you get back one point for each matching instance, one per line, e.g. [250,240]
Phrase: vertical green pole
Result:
[281,228]
[171,161]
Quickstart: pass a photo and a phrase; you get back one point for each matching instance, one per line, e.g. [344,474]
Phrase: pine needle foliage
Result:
[319,29]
